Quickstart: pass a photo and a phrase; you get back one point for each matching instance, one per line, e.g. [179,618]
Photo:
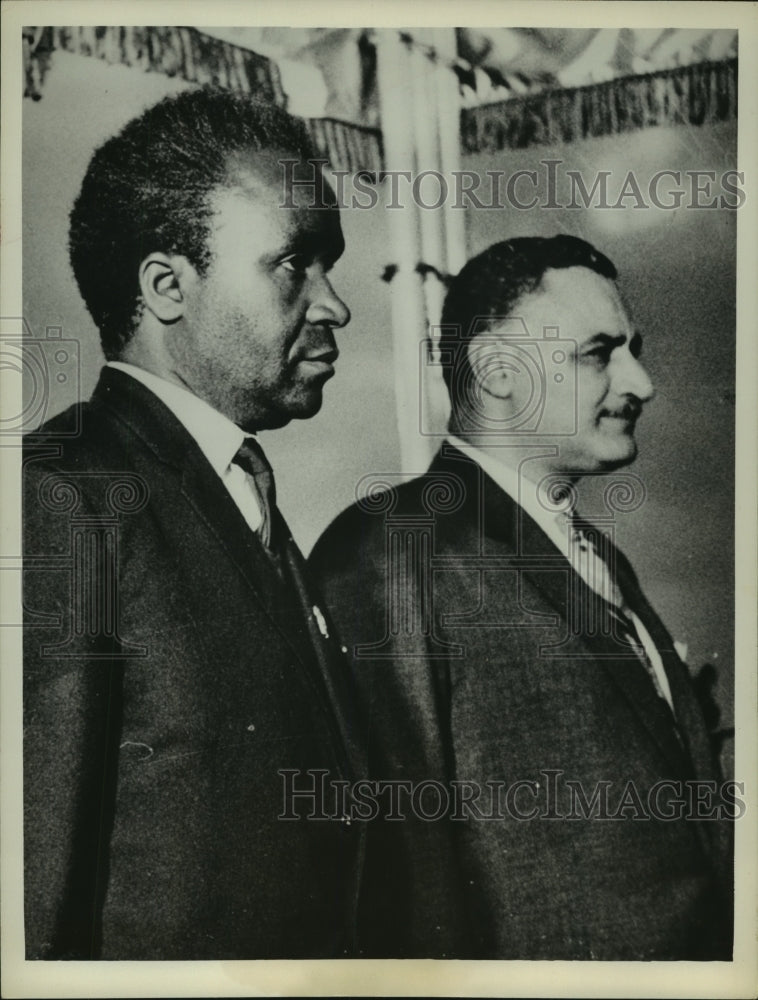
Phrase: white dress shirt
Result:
[555,524]
[217,437]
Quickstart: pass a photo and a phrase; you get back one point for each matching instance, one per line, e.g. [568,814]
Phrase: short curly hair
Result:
[147,189]
[490,284]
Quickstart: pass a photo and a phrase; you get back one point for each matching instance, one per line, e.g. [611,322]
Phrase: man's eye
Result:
[296,264]
[601,353]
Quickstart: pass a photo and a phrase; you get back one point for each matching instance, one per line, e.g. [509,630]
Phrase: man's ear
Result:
[491,366]
[162,280]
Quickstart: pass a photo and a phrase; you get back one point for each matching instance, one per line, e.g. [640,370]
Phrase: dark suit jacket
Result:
[170,672]
[479,661]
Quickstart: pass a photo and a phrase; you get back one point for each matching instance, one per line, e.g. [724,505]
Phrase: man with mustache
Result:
[176,655]
[514,675]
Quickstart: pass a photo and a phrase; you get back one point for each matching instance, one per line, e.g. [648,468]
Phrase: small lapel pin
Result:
[321,622]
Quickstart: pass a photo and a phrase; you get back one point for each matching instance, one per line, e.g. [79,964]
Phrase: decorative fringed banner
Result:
[37,46]
[198,58]
[688,95]
[182,52]
[348,147]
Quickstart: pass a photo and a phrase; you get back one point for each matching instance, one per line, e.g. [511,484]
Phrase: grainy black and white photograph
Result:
[377,479]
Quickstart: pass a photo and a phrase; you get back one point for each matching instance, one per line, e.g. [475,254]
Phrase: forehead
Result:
[279,168]
[577,300]
[257,204]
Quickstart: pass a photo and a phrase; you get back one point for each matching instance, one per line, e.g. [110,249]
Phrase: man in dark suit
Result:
[522,694]
[176,657]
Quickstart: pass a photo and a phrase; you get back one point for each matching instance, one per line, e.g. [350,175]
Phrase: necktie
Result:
[596,571]
[251,459]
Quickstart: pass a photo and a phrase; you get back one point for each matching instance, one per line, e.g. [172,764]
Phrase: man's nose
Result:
[326,306]
[630,378]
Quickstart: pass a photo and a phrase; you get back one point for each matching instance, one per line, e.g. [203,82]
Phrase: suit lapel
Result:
[688,713]
[571,597]
[146,418]
[502,523]
[203,490]
[286,598]
[332,663]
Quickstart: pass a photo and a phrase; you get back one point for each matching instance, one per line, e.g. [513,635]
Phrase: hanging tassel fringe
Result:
[182,52]
[198,58]
[689,95]
[348,147]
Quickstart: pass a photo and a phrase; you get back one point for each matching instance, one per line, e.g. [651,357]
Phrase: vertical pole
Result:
[448,106]
[432,393]
[431,220]
[408,307]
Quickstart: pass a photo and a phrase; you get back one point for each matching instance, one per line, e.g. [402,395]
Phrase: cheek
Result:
[563,394]
[213,315]
[592,389]
[252,329]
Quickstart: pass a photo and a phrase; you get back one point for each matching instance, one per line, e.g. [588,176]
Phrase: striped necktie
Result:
[251,459]
[586,545]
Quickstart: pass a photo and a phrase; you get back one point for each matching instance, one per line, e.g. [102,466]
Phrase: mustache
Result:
[630,411]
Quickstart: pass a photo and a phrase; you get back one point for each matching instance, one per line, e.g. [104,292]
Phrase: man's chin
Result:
[302,408]
[618,456]
[604,456]
[309,404]
[275,417]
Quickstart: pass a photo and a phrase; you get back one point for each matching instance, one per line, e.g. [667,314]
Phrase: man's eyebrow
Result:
[312,245]
[607,340]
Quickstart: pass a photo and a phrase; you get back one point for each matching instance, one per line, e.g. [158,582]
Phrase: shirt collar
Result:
[552,519]
[217,437]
